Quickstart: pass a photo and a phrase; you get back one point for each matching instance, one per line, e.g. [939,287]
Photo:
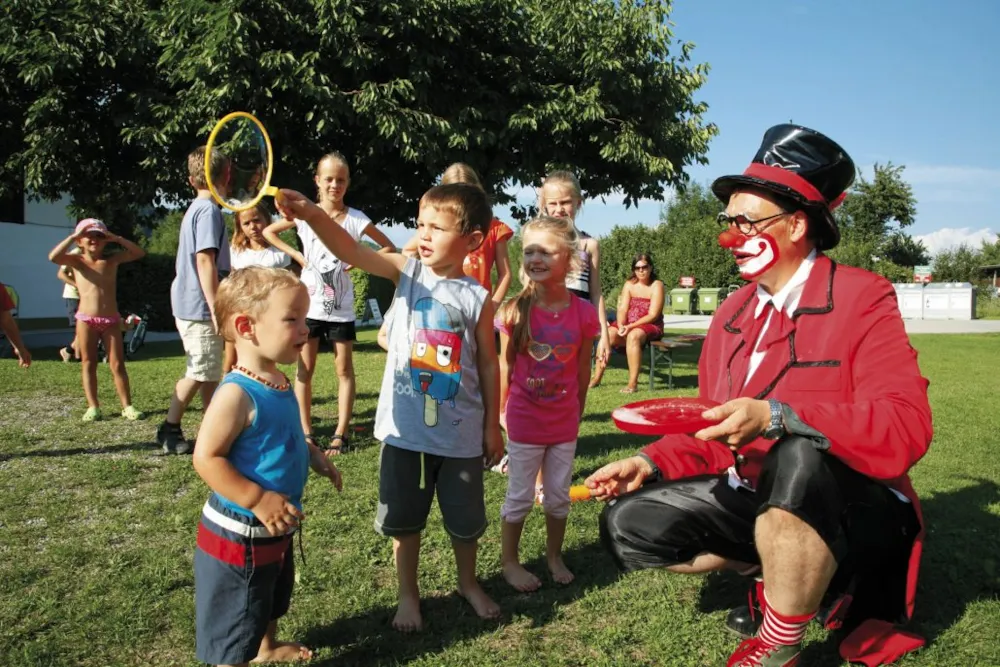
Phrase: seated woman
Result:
[640,318]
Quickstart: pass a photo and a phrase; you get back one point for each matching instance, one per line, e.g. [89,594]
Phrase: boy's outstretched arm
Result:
[295,204]
[132,251]
[489,380]
[227,415]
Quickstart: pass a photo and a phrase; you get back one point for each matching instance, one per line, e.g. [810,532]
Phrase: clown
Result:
[804,479]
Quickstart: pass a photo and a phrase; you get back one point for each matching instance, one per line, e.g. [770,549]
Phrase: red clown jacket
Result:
[846,369]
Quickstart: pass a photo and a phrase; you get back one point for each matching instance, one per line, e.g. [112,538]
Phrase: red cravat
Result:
[781,325]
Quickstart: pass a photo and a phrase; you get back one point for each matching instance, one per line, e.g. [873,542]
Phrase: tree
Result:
[872,220]
[692,248]
[117,92]
[684,243]
[961,264]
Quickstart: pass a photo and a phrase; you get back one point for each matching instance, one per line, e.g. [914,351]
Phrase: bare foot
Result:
[408,618]
[484,605]
[284,652]
[627,389]
[521,579]
[596,382]
[560,573]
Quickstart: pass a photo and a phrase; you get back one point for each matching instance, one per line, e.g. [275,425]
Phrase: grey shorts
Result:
[407,483]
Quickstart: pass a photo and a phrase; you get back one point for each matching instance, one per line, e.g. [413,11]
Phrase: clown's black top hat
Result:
[802,165]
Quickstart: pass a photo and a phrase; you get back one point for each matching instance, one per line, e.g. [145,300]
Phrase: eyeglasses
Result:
[641,267]
[745,224]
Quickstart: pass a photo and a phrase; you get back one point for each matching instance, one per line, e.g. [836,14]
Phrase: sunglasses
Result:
[745,224]
[640,267]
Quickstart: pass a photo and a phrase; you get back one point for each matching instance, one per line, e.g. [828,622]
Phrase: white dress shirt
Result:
[786,299]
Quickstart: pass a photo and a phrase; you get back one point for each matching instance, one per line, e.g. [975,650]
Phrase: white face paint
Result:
[756,255]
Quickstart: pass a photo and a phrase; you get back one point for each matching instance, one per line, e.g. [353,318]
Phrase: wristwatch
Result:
[776,428]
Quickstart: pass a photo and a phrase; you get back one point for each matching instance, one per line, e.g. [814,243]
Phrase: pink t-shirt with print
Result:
[543,406]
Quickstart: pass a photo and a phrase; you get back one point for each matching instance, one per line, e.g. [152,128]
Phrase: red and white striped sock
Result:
[780,629]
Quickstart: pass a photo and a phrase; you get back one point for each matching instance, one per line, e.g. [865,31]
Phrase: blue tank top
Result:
[272,451]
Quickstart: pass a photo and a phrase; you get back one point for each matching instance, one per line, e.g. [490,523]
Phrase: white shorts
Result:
[523,462]
[203,348]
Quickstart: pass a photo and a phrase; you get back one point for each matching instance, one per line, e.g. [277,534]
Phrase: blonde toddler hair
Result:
[516,313]
[245,292]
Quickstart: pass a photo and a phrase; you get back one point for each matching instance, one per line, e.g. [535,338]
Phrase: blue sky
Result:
[914,82]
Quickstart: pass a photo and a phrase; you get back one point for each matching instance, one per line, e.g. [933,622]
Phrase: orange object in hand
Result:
[579,492]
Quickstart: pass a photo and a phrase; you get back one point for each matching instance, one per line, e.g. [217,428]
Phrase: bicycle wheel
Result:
[138,337]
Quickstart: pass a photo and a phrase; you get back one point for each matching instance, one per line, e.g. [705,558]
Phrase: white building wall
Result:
[24,262]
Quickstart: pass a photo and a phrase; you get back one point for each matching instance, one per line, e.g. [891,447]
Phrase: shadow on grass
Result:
[606,443]
[368,639]
[332,398]
[959,567]
[149,447]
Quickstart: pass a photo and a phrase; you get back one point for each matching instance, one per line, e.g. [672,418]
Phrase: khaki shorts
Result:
[203,348]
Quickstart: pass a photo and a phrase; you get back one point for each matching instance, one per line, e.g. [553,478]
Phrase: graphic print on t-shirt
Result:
[436,355]
[550,350]
[329,285]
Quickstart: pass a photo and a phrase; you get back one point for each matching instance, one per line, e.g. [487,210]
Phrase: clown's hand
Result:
[742,420]
[618,477]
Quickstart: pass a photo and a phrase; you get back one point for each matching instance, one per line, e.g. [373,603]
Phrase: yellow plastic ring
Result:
[267,189]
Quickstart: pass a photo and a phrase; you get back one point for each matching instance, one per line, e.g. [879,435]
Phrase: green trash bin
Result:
[709,299]
[683,300]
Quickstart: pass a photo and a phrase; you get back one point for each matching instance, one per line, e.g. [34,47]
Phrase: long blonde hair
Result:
[516,313]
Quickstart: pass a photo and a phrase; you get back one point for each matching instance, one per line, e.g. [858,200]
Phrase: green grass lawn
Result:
[97,538]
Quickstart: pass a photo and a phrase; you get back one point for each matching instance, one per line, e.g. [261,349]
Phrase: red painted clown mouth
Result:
[753,254]
[742,256]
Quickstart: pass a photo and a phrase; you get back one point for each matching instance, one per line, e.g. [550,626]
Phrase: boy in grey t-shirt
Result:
[439,410]
[202,252]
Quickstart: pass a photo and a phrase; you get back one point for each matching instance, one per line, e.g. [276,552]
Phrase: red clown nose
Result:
[732,238]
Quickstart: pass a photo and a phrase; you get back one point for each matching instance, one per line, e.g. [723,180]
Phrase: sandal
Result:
[334,449]
[311,440]
[628,390]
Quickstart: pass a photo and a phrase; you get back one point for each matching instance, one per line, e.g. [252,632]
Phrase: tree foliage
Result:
[109,96]
[685,243]
[872,220]
[692,245]
[964,263]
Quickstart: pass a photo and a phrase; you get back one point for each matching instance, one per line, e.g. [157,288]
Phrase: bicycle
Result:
[133,336]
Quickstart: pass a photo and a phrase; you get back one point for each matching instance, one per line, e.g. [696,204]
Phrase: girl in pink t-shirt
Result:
[546,334]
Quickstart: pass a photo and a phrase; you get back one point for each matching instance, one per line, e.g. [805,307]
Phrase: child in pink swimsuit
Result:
[97,318]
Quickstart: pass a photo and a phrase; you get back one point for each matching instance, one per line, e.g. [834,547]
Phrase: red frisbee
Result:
[662,416]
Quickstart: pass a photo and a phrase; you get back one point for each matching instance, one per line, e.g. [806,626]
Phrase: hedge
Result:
[148,282]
